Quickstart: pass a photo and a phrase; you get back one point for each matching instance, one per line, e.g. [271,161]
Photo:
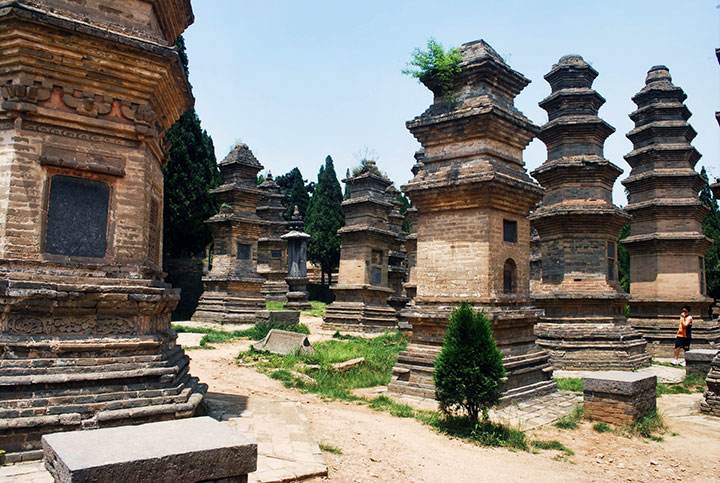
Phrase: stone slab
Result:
[277,317]
[701,355]
[194,449]
[284,342]
[619,382]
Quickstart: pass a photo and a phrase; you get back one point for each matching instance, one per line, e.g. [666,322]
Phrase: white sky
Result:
[298,80]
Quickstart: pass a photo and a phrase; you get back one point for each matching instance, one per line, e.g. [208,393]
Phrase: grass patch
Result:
[486,433]
[384,403]
[693,383]
[553,445]
[330,448]
[274,305]
[317,310]
[574,384]
[256,332]
[380,354]
[664,364]
[651,426]
[570,421]
[602,427]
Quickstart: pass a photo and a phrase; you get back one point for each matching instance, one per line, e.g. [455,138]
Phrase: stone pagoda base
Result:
[527,367]
[591,341]
[360,309]
[90,354]
[230,301]
[658,323]
[275,289]
[711,404]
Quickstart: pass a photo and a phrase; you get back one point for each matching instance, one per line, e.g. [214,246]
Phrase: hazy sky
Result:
[298,80]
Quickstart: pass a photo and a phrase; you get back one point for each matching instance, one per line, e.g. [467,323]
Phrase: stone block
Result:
[619,397]
[277,317]
[698,361]
[283,342]
[196,449]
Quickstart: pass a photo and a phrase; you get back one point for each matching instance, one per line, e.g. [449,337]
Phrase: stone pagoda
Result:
[397,256]
[297,279]
[272,249]
[473,196]
[362,291]
[87,94]
[666,244]
[232,285]
[584,325]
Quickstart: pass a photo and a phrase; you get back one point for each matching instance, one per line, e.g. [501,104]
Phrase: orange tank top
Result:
[682,329]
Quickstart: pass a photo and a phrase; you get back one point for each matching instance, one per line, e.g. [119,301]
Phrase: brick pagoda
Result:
[232,285]
[473,196]
[397,254]
[666,244]
[362,291]
[87,92]
[272,249]
[584,325]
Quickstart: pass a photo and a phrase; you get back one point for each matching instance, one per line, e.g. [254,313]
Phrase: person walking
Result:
[684,334]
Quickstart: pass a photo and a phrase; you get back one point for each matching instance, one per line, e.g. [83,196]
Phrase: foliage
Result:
[365,167]
[317,310]
[602,427]
[711,229]
[648,426]
[330,448]
[552,444]
[405,204]
[295,191]
[691,383]
[384,403]
[274,305]
[469,369]
[324,219]
[574,384]
[570,421]
[624,259]
[485,433]
[380,354]
[436,67]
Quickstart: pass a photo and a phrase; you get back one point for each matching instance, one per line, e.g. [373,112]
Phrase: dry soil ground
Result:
[379,447]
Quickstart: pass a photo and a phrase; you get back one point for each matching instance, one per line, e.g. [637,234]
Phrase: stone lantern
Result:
[297,279]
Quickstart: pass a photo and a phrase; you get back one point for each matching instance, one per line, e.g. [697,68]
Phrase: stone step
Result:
[70,366]
[78,361]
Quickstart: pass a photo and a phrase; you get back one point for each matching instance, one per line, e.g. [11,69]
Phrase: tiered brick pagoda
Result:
[666,244]
[272,249]
[232,286]
[397,255]
[473,196]
[86,96]
[362,291]
[584,325]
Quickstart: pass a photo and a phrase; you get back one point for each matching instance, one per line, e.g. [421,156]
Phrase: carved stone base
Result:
[711,404]
[658,323]
[527,366]
[275,288]
[360,308]
[233,301]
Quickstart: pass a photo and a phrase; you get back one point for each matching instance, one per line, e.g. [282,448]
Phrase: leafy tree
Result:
[436,67]
[293,187]
[469,369]
[324,219]
[624,259]
[711,229]
[189,175]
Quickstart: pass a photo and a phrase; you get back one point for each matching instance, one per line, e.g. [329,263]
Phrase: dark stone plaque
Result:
[276,253]
[376,277]
[77,217]
[243,251]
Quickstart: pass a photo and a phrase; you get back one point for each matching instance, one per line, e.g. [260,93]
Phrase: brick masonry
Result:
[87,94]
[272,261]
[619,397]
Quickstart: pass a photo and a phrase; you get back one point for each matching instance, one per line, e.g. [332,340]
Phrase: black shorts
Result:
[683,343]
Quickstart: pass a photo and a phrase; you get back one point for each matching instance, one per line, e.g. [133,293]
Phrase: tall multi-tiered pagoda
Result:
[473,196]
[666,244]
[584,325]
[272,248]
[232,285]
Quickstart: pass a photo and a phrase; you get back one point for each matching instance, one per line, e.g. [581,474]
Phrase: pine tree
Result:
[189,175]
[711,229]
[324,219]
[469,370]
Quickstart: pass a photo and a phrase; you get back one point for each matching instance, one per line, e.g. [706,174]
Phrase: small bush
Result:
[648,425]
[469,369]
[602,427]
[436,67]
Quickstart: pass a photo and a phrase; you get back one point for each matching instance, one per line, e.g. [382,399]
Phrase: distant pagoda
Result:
[272,248]
[584,326]
[362,290]
[473,197]
[666,244]
[232,286]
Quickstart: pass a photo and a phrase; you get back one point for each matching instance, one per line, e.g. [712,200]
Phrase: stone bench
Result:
[186,450]
[619,397]
[698,361]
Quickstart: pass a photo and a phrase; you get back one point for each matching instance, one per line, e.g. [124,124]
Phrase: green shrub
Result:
[602,427]
[436,67]
[648,425]
[469,369]
[330,448]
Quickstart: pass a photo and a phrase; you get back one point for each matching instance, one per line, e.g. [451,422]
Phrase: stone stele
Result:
[584,325]
[473,196]
[88,90]
[666,244]
[194,449]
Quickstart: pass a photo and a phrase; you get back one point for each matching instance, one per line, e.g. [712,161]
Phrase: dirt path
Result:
[379,447]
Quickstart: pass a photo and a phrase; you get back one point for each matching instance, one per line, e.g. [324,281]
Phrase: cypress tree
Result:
[324,219]
[469,370]
[624,259]
[189,175]
[711,229]
[293,187]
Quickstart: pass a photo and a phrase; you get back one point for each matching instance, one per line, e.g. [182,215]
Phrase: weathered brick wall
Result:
[618,409]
